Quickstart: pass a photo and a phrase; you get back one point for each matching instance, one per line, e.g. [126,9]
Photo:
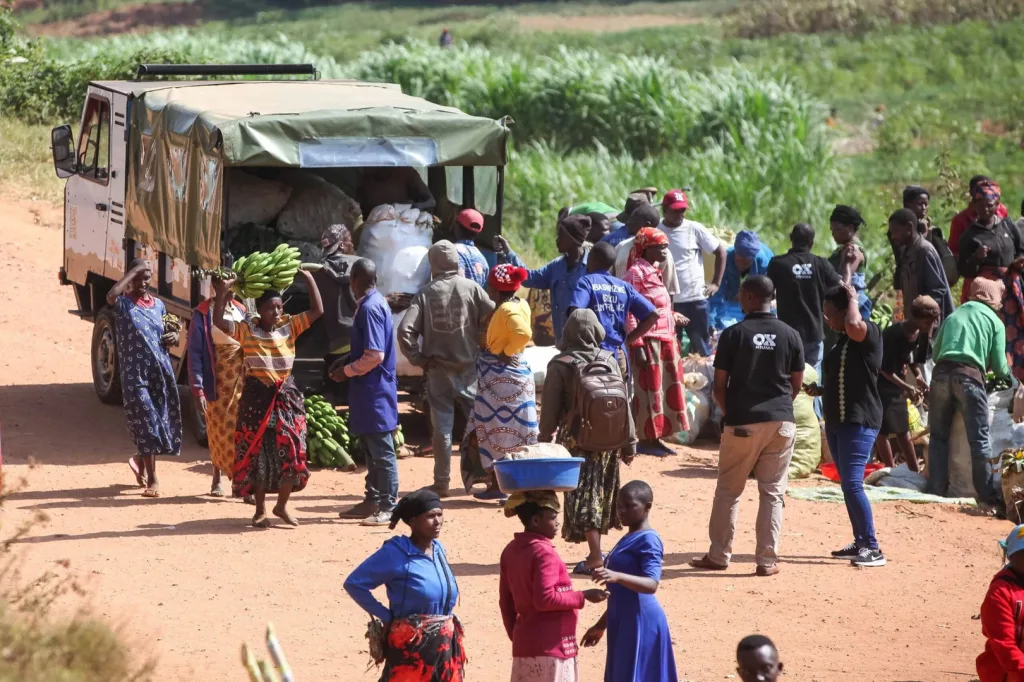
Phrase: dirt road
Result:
[189,580]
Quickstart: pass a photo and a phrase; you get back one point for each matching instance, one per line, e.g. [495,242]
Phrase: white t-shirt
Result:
[667,268]
[688,243]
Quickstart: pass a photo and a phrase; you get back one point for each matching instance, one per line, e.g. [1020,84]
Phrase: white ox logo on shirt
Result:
[764,341]
[803,270]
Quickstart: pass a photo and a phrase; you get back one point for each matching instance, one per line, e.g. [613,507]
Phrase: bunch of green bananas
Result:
[326,435]
[399,438]
[259,271]
[881,315]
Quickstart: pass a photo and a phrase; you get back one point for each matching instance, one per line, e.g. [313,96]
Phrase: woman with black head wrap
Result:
[418,628]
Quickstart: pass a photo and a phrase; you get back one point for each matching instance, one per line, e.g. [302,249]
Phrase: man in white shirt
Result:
[643,216]
[688,241]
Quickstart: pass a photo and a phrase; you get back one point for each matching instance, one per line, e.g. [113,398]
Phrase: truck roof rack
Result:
[227,70]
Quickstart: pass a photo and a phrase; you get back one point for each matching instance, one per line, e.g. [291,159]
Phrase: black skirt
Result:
[895,415]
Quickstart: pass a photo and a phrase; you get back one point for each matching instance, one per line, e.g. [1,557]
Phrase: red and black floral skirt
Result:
[424,649]
[270,438]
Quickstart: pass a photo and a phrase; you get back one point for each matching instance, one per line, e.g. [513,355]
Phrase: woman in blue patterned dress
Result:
[148,383]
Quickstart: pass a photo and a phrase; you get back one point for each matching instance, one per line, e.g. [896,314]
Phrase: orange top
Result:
[269,356]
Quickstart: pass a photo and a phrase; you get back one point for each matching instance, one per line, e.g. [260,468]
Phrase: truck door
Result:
[114,257]
[87,193]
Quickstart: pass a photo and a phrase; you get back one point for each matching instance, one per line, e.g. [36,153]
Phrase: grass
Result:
[26,168]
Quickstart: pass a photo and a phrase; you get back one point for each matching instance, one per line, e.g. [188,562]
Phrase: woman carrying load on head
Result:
[590,509]
[659,395]
[215,375]
[419,639]
[538,603]
[505,409]
[151,401]
[992,248]
[270,432]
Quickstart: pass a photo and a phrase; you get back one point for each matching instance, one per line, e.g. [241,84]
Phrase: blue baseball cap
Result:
[1014,542]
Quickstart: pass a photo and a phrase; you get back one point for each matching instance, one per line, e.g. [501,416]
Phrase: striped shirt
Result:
[269,356]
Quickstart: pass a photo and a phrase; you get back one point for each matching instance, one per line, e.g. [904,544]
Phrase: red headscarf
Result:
[647,236]
[507,277]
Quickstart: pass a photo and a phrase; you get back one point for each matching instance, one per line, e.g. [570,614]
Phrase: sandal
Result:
[489,495]
[260,521]
[138,472]
[217,491]
[707,564]
[581,567]
[151,492]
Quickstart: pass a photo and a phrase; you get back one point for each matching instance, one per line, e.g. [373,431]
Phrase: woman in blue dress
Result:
[639,643]
[148,383]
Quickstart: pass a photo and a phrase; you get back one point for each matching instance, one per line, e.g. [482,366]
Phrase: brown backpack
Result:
[599,418]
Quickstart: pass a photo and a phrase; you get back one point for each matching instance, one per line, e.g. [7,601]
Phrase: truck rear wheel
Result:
[106,377]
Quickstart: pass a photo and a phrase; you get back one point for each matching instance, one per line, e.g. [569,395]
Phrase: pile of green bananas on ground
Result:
[326,435]
[260,271]
[881,315]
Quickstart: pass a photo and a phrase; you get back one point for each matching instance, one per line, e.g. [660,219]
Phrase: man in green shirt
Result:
[970,342]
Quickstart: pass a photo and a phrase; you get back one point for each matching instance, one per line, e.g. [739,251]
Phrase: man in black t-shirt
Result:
[801,280]
[759,369]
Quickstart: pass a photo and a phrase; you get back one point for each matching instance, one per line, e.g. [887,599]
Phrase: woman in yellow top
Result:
[270,432]
[505,410]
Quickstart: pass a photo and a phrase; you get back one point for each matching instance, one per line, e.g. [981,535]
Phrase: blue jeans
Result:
[850,445]
[699,329]
[381,469]
[445,390]
[813,351]
[950,394]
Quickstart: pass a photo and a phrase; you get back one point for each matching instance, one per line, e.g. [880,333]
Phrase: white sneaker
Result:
[381,518]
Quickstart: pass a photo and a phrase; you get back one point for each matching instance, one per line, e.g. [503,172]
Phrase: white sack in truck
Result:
[314,206]
[396,238]
[254,200]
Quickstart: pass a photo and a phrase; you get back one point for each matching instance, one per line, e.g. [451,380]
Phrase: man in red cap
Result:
[472,264]
[688,241]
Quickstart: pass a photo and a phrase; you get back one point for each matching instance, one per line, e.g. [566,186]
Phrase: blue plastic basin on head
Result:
[560,474]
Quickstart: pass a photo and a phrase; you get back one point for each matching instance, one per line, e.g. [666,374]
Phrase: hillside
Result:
[907,102]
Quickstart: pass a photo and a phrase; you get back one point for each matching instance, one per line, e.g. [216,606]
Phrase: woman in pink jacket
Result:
[538,605]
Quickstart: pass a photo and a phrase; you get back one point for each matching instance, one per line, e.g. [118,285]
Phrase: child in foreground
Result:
[757,659]
[639,643]
[1002,617]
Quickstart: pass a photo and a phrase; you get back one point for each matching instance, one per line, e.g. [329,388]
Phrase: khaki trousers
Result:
[765,450]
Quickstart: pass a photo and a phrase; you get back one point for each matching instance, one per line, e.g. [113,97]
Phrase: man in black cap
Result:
[619,231]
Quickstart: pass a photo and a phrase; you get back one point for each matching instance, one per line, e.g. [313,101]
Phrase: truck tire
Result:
[106,374]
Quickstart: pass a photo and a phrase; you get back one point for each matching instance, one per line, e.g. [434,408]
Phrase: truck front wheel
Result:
[106,377]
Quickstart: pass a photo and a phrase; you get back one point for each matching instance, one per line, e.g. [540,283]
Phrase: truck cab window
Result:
[94,144]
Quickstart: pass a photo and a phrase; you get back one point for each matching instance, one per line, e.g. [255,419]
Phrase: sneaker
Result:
[767,571]
[869,558]
[381,518]
[360,511]
[851,551]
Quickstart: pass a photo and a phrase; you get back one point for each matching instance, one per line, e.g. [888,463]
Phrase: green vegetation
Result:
[739,120]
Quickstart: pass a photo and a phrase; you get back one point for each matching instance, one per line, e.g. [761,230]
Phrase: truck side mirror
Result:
[62,142]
